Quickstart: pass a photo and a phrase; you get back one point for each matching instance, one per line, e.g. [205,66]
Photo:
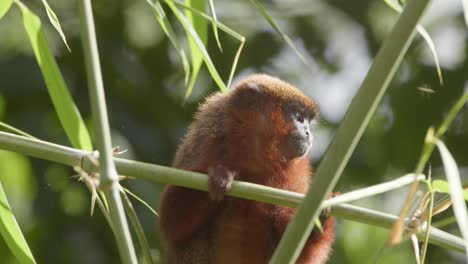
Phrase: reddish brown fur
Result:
[229,131]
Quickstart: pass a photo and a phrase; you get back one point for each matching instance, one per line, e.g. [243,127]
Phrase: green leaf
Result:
[141,201]
[166,26]
[395,5]
[440,186]
[432,48]
[14,130]
[67,111]
[318,224]
[453,176]
[214,24]
[283,35]
[465,11]
[55,22]
[132,215]
[11,233]
[443,187]
[234,62]
[199,44]
[227,30]
[200,26]
[4,7]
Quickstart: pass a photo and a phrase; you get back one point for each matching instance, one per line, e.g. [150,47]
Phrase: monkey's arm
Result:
[319,244]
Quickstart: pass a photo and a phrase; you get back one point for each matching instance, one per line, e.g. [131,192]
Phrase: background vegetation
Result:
[145,89]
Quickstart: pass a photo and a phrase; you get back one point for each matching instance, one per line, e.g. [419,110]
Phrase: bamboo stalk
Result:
[108,173]
[160,174]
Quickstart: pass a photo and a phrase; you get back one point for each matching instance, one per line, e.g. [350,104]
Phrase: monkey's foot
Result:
[219,181]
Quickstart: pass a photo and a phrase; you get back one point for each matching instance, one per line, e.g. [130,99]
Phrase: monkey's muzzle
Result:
[297,144]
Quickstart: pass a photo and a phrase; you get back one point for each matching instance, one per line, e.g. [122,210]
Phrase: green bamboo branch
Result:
[372,190]
[360,111]
[132,215]
[108,173]
[160,174]
[384,220]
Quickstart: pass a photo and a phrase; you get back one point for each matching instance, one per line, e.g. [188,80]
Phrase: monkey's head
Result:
[274,118]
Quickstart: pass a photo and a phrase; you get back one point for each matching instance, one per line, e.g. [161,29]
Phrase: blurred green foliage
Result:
[144,83]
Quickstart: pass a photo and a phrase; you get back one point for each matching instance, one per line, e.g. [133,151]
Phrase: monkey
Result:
[260,132]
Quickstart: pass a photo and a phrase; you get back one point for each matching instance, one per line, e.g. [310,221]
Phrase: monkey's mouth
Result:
[296,145]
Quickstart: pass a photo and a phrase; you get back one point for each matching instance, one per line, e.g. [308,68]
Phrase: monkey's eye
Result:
[297,112]
[299,116]
[300,113]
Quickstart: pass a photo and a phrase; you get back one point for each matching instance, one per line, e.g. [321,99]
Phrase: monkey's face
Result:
[297,140]
[275,118]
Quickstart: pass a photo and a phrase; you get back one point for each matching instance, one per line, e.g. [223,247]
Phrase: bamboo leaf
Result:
[11,232]
[141,201]
[132,215]
[199,44]
[166,26]
[4,7]
[465,11]
[214,24]
[422,31]
[453,176]
[441,186]
[67,111]
[220,25]
[227,30]
[283,35]
[444,187]
[14,130]
[200,26]
[55,22]
[395,5]
[235,61]
[442,204]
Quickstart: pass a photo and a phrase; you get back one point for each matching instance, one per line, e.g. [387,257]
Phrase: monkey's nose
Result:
[297,144]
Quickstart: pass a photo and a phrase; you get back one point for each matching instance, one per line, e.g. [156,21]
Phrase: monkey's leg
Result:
[319,244]
[183,212]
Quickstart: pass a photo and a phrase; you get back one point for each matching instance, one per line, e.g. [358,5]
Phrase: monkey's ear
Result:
[248,95]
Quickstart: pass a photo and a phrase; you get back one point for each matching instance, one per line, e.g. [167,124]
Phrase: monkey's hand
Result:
[326,212]
[220,181]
